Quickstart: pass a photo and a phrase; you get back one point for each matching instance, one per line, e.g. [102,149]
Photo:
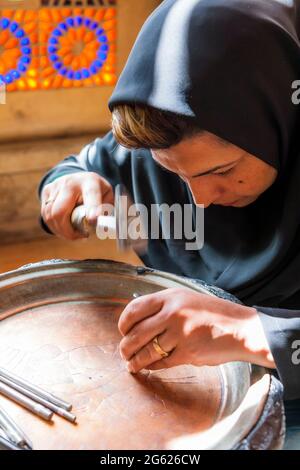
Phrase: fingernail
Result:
[129,368]
[122,355]
[93,213]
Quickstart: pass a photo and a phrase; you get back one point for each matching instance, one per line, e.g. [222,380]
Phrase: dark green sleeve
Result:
[282,329]
[103,156]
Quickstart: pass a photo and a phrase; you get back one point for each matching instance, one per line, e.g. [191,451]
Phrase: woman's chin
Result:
[241,202]
[245,201]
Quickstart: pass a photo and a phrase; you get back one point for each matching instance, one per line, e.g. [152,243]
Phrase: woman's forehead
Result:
[202,152]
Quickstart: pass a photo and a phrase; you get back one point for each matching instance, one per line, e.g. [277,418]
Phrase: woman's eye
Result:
[224,172]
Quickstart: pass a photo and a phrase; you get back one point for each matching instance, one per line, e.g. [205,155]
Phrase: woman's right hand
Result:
[59,199]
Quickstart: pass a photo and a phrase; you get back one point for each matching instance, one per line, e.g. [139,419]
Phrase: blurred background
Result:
[59,60]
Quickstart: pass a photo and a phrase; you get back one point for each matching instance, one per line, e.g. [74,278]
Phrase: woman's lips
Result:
[229,203]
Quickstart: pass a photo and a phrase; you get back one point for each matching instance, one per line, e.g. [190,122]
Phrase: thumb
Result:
[92,199]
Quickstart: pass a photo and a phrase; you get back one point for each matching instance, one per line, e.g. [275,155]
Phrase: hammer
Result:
[117,224]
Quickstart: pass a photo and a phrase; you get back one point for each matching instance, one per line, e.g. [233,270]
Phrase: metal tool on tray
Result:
[33,398]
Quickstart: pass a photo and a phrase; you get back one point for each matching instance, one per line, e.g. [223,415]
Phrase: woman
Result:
[206,95]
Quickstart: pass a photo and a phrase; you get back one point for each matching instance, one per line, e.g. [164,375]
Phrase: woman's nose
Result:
[205,192]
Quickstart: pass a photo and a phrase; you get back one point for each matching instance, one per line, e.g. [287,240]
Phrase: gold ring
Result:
[158,349]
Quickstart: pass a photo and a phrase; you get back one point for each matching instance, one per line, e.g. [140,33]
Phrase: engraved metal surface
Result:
[59,330]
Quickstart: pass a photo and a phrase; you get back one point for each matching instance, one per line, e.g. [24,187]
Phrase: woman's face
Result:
[217,172]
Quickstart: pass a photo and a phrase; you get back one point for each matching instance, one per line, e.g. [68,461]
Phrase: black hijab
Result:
[230,65]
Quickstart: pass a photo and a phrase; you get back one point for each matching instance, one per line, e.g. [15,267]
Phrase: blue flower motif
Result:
[25,49]
[53,47]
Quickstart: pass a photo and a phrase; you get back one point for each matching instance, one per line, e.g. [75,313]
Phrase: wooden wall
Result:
[22,165]
[37,129]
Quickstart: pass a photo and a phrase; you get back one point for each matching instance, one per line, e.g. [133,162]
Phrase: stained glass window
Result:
[62,46]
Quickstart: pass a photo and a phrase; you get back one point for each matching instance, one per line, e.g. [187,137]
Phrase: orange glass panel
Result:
[66,12]
[57,47]
[91,12]
[19,15]
[29,15]
[11,87]
[109,13]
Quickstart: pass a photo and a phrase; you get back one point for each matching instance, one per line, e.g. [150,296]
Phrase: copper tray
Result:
[58,329]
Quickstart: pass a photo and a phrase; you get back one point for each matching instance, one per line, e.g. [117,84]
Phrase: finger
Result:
[92,198]
[45,194]
[148,354]
[141,334]
[172,361]
[46,215]
[61,211]
[139,309]
[48,198]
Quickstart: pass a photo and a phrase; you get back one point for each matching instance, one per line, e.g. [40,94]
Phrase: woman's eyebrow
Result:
[219,167]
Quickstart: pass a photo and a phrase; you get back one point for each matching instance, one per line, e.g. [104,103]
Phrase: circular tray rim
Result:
[228,372]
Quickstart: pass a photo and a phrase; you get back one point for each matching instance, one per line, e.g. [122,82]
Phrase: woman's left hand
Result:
[194,328]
